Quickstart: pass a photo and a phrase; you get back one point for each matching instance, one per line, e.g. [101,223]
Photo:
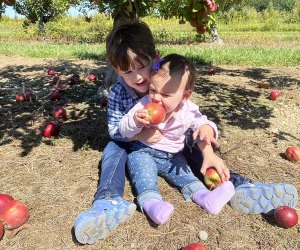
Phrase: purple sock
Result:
[213,201]
[158,211]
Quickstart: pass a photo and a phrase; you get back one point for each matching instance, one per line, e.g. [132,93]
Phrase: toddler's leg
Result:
[158,211]
[213,201]
[260,198]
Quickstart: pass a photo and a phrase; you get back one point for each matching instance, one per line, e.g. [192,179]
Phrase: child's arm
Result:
[210,159]
[207,134]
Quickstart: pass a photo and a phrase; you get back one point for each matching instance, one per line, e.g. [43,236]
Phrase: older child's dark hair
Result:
[131,35]
[179,65]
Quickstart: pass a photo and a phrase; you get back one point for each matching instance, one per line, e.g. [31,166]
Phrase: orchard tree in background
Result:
[4,3]
[42,11]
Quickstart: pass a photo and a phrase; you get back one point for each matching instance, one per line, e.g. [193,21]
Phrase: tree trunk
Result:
[215,36]
[41,25]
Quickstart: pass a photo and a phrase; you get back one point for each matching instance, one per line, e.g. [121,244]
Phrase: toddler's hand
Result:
[216,162]
[140,118]
[206,133]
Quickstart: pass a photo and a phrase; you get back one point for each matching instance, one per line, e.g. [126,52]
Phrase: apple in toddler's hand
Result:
[285,217]
[156,113]
[274,94]
[1,230]
[212,178]
[293,153]
[195,246]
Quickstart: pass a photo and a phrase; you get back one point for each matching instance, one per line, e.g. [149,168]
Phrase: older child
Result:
[171,86]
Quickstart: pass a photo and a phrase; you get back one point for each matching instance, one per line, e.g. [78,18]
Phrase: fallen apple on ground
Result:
[14,214]
[4,199]
[195,246]
[59,113]
[55,79]
[211,71]
[51,72]
[103,102]
[293,153]
[74,79]
[1,230]
[50,129]
[274,94]
[285,217]
[54,95]
[212,178]
[92,77]
[24,95]
[156,113]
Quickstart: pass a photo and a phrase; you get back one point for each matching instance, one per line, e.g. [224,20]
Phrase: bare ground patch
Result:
[57,178]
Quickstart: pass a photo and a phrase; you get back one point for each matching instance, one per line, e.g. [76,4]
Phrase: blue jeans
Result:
[145,164]
[112,173]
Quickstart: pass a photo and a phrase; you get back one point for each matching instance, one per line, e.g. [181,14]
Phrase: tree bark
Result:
[41,25]
[215,37]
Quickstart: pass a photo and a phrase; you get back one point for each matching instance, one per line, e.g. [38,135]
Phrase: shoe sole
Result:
[89,228]
[263,199]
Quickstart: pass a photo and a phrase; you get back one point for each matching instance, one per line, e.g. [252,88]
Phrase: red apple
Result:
[24,95]
[54,95]
[51,72]
[212,7]
[92,77]
[201,28]
[103,102]
[14,214]
[74,79]
[156,113]
[293,153]
[4,199]
[274,94]
[50,129]
[212,178]
[55,79]
[211,71]
[195,246]
[59,113]
[1,230]
[285,216]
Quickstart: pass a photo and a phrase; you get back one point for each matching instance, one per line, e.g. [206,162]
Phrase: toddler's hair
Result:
[179,65]
[128,36]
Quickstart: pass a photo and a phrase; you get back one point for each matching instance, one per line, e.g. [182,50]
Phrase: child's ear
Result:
[186,95]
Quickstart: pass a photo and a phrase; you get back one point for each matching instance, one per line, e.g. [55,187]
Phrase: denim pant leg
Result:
[178,173]
[195,159]
[112,174]
[143,173]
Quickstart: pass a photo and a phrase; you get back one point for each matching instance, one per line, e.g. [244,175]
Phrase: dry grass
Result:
[57,178]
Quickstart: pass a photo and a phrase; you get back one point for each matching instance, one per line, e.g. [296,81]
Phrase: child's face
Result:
[168,91]
[138,74]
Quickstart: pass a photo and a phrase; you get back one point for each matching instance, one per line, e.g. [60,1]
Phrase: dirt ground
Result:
[57,178]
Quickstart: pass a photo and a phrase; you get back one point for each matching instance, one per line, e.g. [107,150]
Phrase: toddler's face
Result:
[138,74]
[169,91]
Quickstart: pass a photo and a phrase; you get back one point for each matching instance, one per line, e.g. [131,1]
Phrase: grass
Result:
[225,55]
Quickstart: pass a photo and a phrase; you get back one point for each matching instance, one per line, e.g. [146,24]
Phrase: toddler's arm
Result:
[210,159]
[207,134]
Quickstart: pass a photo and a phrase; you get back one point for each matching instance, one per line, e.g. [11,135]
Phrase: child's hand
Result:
[140,118]
[207,134]
[216,162]
[150,135]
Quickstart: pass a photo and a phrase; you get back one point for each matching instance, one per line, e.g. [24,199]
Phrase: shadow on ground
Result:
[86,123]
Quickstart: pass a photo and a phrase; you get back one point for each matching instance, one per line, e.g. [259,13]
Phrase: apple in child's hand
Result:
[4,199]
[195,246]
[50,129]
[293,153]
[274,94]
[59,113]
[156,113]
[212,178]
[285,217]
